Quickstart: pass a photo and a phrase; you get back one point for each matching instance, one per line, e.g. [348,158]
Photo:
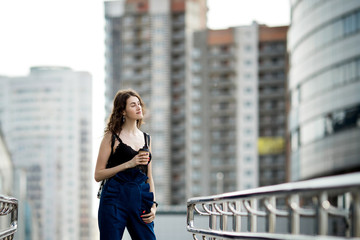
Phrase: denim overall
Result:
[124,198]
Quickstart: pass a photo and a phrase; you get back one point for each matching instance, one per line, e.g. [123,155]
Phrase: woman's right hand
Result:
[139,159]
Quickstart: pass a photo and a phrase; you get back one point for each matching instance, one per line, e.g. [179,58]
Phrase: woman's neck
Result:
[130,127]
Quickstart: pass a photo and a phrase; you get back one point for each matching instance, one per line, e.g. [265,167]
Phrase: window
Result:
[196,81]
[248,145]
[248,76]
[248,103]
[248,62]
[248,118]
[248,159]
[248,131]
[248,48]
[248,90]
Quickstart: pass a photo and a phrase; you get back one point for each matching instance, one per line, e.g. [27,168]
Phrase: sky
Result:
[71,33]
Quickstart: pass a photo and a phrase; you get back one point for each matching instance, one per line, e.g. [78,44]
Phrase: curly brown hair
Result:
[115,122]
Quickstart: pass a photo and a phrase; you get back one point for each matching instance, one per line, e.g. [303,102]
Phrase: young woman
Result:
[128,196]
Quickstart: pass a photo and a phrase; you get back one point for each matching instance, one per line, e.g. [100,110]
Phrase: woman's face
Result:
[133,108]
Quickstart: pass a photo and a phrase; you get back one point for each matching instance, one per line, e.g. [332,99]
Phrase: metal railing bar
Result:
[343,188]
[9,231]
[340,212]
[356,214]
[302,211]
[238,213]
[253,211]
[200,212]
[9,206]
[7,199]
[208,210]
[264,236]
[326,183]
[274,210]
[221,211]
[4,209]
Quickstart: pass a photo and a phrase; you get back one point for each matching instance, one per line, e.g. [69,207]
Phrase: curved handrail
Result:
[253,211]
[217,208]
[325,183]
[200,212]
[274,210]
[208,210]
[261,202]
[9,206]
[236,212]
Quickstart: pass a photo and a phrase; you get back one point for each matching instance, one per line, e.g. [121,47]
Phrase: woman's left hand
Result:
[149,217]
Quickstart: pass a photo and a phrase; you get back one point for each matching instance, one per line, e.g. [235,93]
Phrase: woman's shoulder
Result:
[145,133]
[108,136]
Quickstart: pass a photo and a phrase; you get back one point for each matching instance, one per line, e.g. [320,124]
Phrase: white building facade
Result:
[46,120]
[324,83]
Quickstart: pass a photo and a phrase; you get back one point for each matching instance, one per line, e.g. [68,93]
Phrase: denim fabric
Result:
[125,197]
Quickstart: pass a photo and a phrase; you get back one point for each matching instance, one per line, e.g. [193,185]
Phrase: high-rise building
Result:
[272,103]
[46,120]
[224,121]
[324,83]
[148,49]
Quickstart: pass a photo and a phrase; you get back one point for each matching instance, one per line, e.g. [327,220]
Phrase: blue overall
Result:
[124,198]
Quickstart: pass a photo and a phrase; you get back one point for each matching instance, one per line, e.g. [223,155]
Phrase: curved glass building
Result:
[324,85]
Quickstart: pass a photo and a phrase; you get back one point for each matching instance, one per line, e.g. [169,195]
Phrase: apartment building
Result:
[46,121]
[224,99]
[272,104]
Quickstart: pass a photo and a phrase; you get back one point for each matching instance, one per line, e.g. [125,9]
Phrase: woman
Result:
[128,196]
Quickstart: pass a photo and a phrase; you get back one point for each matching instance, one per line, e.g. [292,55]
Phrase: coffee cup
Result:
[144,150]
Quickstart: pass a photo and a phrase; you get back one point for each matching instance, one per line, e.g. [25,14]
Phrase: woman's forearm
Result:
[152,187]
[110,172]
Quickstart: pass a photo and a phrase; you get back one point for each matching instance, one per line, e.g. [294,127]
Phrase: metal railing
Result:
[323,208]
[9,206]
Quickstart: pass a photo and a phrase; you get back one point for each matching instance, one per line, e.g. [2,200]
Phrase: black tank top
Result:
[124,153]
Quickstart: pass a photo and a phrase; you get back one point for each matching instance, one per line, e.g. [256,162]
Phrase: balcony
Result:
[275,66]
[223,69]
[178,48]
[223,55]
[178,63]
[180,36]
[272,53]
[178,23]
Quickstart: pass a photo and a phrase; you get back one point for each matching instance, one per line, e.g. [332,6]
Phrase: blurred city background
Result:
[239,94]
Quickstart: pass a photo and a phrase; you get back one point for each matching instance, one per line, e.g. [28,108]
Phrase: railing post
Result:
[212,219]
[237,218]
[356,214]
[343,201]
[223,218]
[322,214]
[253,217]
[271,219]
[190,215]
[294,216]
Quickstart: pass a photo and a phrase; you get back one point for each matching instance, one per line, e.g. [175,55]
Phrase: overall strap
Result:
[112,149]
[112,143]
[147,139]
[117,137]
